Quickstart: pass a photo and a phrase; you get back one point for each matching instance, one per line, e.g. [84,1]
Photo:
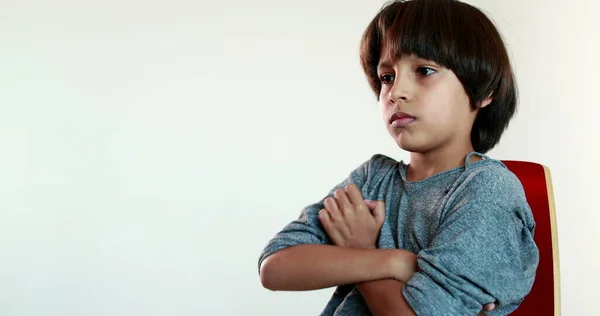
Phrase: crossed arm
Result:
[353,226]
[311,267]
[353,259]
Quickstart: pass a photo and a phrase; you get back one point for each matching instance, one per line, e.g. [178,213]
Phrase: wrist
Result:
[392,264]
[402,264]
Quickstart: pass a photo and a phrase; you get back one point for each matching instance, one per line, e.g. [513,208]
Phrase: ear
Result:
[486,102]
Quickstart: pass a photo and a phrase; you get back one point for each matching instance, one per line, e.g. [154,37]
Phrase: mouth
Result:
[401,119]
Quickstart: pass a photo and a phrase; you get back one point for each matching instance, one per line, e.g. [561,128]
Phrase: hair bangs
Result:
[422,28]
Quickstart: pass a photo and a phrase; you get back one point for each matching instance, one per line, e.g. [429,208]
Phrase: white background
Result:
[150,149]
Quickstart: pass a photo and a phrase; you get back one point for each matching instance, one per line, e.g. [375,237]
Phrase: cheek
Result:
[384,110]
[460,97]
[384,103]
[442,108]
[383,94]
[456,102]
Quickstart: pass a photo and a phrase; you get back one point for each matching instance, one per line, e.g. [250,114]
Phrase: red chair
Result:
[544,298]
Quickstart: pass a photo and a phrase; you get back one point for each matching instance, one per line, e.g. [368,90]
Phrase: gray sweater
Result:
[471,228]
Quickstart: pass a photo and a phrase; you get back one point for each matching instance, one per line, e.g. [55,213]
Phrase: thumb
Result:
[489,307]
[378,209]
[371,204]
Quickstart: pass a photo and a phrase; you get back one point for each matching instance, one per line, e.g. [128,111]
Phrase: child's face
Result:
[424,105]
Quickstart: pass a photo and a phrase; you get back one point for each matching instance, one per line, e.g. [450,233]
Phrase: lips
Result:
[401,119]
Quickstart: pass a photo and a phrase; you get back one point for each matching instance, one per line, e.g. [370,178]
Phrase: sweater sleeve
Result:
[307,229]
[483,251]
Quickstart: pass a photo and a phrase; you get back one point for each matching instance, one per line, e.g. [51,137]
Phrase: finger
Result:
[371,204]
[489,307]
[342,200]
[325,219]
[335,222]
[355,196]
[332,206]
[379,212]
[330,228]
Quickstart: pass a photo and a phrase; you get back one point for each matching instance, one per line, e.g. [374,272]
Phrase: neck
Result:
[427,164]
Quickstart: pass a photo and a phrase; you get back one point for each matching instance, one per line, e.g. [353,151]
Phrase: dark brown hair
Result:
[457,36]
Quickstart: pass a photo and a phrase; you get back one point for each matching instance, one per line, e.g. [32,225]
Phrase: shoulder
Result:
[375,175]
[490,178]
[382,167]
[377,164]
[489,189]
[381,161]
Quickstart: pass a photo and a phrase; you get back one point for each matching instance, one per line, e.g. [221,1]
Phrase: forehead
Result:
[387,61]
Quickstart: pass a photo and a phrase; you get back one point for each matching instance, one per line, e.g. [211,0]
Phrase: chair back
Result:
[544,298]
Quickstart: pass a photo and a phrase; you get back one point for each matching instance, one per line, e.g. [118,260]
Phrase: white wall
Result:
[151,148]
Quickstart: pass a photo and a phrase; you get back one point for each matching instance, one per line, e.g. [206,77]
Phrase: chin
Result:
[412,149]
[413,145]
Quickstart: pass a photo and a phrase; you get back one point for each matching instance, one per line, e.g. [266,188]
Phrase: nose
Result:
[400,91]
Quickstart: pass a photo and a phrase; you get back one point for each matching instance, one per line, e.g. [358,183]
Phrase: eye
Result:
[386,79]
[425,71]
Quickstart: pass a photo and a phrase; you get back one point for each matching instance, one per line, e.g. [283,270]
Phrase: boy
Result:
[447,233]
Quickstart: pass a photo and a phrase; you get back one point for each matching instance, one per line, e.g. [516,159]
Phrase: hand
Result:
[488,307]
[348,220]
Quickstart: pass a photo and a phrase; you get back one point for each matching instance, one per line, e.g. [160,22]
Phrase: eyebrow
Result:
[384,64]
